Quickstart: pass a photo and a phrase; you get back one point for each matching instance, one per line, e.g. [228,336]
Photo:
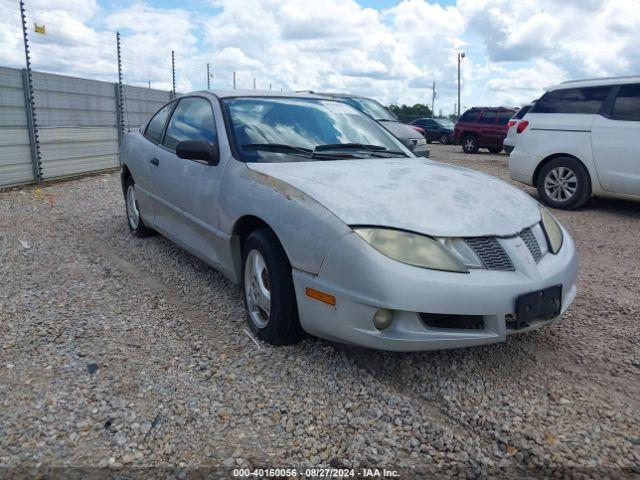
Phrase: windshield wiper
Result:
[358,146]
[279,148]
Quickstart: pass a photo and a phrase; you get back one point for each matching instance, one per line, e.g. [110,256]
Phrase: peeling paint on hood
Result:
[411,194]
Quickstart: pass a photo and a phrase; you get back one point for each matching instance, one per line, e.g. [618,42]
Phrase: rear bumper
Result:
[522,165]
[362,281]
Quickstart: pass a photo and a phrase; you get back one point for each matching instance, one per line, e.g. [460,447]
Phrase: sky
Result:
[386,49]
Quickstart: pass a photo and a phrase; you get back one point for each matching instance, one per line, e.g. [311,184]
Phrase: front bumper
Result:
[362,280]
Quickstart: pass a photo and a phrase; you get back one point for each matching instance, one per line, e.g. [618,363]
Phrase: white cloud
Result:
[514,48]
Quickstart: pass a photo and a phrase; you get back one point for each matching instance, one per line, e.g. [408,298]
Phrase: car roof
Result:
[595,82]
[254,93]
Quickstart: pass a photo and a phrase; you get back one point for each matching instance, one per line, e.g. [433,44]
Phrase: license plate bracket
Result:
[539,305]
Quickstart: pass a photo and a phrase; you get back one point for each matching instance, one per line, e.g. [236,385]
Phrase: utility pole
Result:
[433,99]
[208,78]
[234,80]
[460,57]
[32,125]
[173,71]
[254,83]
[269,86]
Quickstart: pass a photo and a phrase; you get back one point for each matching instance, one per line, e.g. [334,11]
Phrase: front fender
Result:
[305,228]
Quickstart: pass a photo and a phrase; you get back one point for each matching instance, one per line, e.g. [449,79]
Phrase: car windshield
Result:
[302,129]
[445,123]
[370,107]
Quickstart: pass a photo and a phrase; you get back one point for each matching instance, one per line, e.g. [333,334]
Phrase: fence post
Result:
[173,73]
[119,94]
[27,84]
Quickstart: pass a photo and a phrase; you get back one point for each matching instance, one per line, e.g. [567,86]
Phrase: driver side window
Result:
[191,120]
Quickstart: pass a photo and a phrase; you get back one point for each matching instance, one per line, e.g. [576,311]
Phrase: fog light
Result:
[382,318]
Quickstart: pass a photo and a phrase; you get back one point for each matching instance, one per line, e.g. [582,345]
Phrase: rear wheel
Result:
[470,144]
[495,150]
[136,225]
[268,290]
[564,183]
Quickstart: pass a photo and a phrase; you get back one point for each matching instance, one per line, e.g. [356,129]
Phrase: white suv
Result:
[581,139]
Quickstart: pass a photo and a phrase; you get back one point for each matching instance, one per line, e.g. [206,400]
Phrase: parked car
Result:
[410,137]
[436,129]
[483,127]
[579,140]
[323,217]
[509,142]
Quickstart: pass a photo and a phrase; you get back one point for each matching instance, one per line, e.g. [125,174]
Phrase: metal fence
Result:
[77,124]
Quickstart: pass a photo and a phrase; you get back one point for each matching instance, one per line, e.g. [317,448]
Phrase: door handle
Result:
[155,161]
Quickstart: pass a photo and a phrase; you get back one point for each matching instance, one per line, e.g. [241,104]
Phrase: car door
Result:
[432,132]
[187,208]
[614,143]
[490,131]
[141,169]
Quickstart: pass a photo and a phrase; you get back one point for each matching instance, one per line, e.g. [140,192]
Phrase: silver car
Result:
[335,228]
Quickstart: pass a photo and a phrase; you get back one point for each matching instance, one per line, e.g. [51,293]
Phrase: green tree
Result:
[406,113]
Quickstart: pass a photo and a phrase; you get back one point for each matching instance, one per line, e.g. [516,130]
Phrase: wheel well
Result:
[247,224]
[243,227]
[124,175]
[548,159]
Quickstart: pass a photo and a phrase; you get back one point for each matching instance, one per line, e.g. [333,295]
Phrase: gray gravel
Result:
[119,351]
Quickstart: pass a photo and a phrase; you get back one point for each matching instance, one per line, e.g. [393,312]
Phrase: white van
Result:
[581,138]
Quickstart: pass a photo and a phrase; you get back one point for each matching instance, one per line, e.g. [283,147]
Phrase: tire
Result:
[444,139]
[495,150]
[136,225]
[470,144]
[266,269]
[571,181]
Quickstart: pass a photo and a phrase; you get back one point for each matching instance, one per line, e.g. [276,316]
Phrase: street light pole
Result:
[460,57]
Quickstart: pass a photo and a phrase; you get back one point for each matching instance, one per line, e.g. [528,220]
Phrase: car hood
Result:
[401,130]
[411,194]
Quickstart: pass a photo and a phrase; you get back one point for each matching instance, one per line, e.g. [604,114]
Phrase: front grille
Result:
[531,242]
[465,322]
[491,253]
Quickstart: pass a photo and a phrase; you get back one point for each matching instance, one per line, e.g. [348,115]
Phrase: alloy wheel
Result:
[257,289]
[561,184]
[133,214]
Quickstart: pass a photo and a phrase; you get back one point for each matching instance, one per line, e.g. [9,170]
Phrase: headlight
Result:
[552,230]
[421,141]
[412,249]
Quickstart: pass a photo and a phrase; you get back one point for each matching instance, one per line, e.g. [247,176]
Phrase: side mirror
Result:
[200,150]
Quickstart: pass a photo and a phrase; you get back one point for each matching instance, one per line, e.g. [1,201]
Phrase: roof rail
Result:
[598,78]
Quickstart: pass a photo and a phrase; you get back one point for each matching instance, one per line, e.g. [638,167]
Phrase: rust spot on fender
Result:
[283,188]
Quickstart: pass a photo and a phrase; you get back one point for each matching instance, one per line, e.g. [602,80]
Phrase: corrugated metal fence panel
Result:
[140,103]
[71,151]
[63,101]
[15,151]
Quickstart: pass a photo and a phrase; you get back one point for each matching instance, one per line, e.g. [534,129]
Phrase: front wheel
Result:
[444,139]
[564,183]
[269,295]
[470,144]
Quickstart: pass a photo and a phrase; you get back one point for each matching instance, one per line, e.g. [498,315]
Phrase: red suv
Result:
[483,127]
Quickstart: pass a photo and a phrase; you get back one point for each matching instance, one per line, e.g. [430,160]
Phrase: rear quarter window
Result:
[469,116]
[627,103]
[572,100]
[504,117]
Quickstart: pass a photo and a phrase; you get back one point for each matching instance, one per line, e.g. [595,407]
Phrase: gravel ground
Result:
[117,351]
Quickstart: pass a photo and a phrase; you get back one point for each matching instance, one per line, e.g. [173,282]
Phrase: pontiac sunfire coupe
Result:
[334,228]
